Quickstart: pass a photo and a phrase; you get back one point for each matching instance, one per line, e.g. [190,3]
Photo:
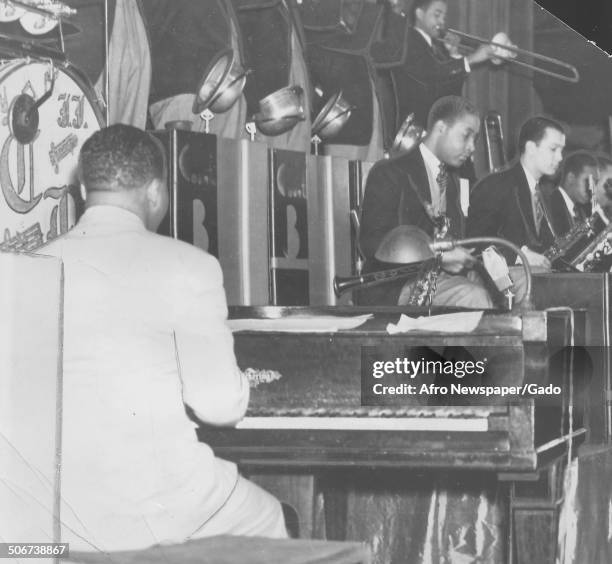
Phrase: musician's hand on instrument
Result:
[452,42]
[484,53]
[536,259]
[457,259]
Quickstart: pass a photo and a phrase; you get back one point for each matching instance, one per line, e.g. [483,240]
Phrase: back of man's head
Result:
[534,129]
[449,109]
[120,158]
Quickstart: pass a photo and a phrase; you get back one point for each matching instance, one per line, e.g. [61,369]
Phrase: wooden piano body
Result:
[363,463]
[591,292]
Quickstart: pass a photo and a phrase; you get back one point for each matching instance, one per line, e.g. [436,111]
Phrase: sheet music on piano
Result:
[300,323]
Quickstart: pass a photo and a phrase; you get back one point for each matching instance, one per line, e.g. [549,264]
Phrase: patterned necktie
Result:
[538,209]
[442,180]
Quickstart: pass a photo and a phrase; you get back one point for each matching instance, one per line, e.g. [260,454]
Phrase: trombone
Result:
[506,51]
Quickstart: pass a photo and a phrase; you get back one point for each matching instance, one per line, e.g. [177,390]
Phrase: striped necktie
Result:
[538,208]
[442,180]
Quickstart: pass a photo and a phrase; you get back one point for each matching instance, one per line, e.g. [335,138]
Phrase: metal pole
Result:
[106,69]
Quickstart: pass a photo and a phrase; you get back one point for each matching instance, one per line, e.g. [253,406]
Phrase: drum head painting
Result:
[39,148]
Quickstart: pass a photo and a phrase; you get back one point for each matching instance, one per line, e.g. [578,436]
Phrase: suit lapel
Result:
[435,50]
[417,181]
[569,218]
[524,199]
[415,186]
[416,177]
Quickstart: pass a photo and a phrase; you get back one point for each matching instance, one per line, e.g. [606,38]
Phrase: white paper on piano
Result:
[300,323]
[461,322]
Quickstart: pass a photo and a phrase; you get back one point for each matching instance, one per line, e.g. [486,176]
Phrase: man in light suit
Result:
[508,204]
[145,335]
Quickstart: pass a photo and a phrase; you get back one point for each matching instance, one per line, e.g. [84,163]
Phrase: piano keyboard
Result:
[367,423]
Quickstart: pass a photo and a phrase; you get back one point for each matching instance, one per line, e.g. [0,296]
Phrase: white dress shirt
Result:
[569,203]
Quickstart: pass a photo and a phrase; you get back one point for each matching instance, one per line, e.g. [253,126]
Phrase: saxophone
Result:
[425,285]
[584,245]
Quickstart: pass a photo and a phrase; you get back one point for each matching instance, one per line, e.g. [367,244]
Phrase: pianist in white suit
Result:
[145,334]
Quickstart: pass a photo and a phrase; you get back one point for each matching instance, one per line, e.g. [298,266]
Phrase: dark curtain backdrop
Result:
[506,88]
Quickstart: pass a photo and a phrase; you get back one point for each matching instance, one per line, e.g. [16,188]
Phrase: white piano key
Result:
[367,423]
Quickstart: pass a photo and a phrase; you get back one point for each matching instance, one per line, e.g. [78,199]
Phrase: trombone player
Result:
[431,70]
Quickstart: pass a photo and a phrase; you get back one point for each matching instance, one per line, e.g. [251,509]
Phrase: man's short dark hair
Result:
[449,109]
[576,162]
[120,157]
[534,130]
[421,5]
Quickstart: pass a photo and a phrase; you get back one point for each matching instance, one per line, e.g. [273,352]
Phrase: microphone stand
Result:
[449,245]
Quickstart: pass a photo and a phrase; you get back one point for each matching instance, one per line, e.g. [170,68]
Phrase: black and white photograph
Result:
[306,281]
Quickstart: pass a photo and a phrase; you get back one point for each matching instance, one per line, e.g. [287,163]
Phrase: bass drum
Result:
[38,161]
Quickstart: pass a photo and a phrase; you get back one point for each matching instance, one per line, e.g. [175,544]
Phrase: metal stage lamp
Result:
[221,85]
[331,119]
[280,111]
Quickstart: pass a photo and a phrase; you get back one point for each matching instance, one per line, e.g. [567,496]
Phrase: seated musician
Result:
[602,197]
[570,202]
[145,334]
[603,189]
[421,189]
[508,204]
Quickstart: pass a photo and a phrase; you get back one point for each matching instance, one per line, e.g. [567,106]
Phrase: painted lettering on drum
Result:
[37,178]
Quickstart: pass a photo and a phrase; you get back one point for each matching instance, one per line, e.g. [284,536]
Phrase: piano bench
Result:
[236,550]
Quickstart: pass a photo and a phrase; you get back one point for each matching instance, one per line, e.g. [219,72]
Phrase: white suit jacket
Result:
[144,333]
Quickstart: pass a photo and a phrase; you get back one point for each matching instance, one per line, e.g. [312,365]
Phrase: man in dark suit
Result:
[430,70]
[603,190]
[602,198]
[508,204]
[417,189]
[570,202]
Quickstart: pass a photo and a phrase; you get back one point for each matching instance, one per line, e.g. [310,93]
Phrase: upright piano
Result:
[384,466]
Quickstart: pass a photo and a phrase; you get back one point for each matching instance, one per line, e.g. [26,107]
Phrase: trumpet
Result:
[504,50]
[343,284]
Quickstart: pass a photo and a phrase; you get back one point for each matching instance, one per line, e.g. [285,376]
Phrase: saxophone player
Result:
[570,202]
[603,190]
[420,189]
[508,204]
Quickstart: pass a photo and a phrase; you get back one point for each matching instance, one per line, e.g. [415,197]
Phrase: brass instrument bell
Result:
[408,137]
